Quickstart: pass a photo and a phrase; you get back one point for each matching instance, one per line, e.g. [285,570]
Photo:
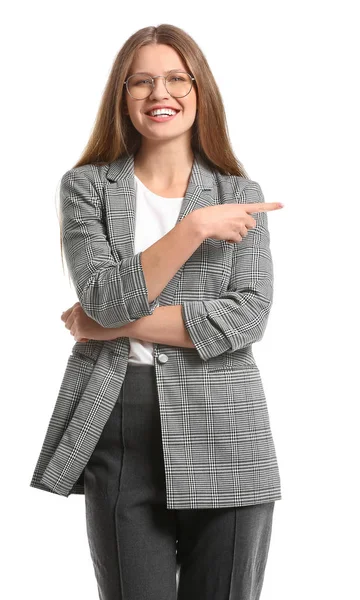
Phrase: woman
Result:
[161,419]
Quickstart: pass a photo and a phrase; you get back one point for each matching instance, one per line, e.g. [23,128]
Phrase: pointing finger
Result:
[262,206]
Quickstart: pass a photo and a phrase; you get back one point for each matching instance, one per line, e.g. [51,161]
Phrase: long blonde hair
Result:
[114,135]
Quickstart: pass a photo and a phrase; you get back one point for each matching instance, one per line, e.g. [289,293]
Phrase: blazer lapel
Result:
[120,207]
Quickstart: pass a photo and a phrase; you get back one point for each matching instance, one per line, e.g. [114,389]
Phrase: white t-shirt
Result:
[154,217]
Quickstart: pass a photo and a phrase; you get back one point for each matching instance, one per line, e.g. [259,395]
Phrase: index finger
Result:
[261,206]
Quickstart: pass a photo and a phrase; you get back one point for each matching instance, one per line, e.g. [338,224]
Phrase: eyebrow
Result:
[165,72]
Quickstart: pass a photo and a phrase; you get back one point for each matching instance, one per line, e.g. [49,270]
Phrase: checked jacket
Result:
[216,434]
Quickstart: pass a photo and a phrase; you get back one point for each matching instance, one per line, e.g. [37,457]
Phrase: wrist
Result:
[196,225]
[112,333]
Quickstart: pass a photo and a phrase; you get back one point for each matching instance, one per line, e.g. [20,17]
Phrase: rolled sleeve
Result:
[239,317]
[111,292]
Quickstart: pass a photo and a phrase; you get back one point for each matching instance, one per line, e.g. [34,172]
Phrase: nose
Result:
[159,90]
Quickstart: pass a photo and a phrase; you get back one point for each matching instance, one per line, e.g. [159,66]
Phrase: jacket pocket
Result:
[230,363]
[88,360]
[87,350]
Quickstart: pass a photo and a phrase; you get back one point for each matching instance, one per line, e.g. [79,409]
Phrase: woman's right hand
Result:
[229,222]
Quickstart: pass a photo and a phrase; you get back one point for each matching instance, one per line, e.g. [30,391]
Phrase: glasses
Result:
[177,83]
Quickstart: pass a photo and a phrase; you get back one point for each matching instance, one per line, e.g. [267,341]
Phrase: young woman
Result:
[161,419]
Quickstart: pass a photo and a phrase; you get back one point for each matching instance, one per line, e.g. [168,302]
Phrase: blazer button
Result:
[162,358]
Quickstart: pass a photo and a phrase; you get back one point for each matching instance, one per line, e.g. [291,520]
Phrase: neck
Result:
[163,164]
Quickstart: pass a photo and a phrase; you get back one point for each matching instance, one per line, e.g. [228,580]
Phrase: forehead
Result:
[157,59]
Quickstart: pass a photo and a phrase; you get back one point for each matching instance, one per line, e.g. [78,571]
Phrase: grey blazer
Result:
[216,435]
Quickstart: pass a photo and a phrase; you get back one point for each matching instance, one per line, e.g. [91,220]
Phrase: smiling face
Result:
[157,59]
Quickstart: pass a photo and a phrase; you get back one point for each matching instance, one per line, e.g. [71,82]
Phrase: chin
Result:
[161,134]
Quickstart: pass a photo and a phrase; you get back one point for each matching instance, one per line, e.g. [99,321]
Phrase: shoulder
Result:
[90,177]
[243,189]
[93,172]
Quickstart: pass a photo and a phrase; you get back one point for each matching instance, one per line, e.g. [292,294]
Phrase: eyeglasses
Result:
[177,83]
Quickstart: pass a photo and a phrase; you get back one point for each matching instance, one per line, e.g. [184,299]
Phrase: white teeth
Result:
[162,111]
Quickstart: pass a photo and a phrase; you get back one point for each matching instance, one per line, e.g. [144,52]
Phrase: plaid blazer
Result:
[216,435]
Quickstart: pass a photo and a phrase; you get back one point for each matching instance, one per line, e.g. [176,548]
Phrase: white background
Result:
[292,111]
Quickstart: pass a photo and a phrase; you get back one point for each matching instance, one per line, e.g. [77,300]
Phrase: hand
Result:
[230,222]
[82,327]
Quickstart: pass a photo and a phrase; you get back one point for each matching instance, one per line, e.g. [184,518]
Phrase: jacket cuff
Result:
[134,286]
[207,339]
[122,289]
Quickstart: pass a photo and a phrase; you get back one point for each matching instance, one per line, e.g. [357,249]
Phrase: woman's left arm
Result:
[165,326]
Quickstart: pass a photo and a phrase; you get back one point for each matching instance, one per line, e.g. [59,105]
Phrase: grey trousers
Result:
[140,549]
